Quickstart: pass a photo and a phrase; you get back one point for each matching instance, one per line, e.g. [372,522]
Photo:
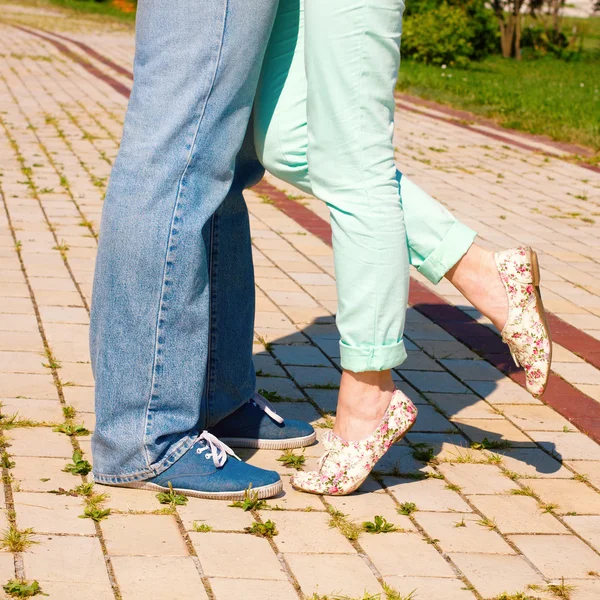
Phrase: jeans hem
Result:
[180,449]
[448,252]
[376,358]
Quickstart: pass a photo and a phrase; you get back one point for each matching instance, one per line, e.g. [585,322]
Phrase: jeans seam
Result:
[212,277]
[173,233]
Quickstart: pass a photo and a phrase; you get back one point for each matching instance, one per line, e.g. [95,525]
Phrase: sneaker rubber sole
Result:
[265,491]
[264,444]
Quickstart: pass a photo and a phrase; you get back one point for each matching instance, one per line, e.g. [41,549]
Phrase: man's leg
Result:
[196,70]
[231,377]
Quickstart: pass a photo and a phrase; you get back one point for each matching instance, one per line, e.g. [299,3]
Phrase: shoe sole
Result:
[265,491]
[535,270]
[263,444]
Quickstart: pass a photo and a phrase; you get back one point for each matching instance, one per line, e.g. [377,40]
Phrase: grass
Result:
[16,540]
[123,10]
[407,508]
[347,528]
[543,96]
[201,527]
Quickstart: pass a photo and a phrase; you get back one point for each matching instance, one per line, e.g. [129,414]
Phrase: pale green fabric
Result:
[324,122]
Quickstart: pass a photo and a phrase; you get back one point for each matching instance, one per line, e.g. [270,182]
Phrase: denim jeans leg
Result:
[231,378]
[195,75]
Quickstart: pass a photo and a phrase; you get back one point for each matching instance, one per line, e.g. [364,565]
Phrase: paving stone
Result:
[517,514]
[304,411]
[301,355]
[325,399]
[67,559]
[569,495]
[364,506]
[558,556]
[504,391]
[237,555]
[588,527]
[291,499]
[144,577]
[143,535]
[464,406]
[532,462]
[419,361]
[427,494]
[22,362]
[582,589]
[39,441]
[130,500]
[58,590]
[42,475]
[430,420]
[51,513]
[308,532]
[446,349]
[35,409]
[536,418]
[265,365]
[580,372]
[284,387]
[434,381]
[252,589]
[28,385]
[25,341]
[462,532]
[494,574]
[476,479]
[217,514]
[587,468]
[333,574]
[567,446]
[405,554]
[315,376]
[472,370]
[494,430]
[446,446]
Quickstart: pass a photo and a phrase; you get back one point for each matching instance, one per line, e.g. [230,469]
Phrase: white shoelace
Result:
[267,407]
[218,451]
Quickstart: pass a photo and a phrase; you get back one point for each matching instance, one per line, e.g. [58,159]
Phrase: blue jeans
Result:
[173,300]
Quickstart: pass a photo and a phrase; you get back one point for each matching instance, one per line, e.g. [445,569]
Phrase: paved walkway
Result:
[492,491]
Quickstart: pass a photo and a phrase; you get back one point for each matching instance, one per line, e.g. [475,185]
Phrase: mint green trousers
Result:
[324,122]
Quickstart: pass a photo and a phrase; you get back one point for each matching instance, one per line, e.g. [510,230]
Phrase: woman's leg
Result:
[438,244]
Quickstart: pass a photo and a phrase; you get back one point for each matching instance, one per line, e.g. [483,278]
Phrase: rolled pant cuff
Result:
[450,250]
[377,358]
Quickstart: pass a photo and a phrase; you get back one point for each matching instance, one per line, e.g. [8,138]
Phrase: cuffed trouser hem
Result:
[176,453]
[450,250]
[378,358]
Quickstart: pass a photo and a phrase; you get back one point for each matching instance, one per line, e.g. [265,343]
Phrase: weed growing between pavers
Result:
[251,501]
[348,529]
[172,498]
[79,466]
[486,444]
[19,588]
[292,460]
[72,430]
[201,527]
[379,525]
[407,508]
[16,540]
[268,529]
[389,593]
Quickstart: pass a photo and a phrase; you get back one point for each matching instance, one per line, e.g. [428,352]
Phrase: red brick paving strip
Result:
[571,403]
[580,409]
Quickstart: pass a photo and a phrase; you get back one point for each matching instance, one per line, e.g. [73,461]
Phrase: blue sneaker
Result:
[205,471]
[257,425]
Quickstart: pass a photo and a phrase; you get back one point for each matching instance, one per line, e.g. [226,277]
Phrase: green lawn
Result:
[546,96]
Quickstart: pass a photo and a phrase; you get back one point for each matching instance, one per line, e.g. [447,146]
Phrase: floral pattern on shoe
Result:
[345,465]
[526,331]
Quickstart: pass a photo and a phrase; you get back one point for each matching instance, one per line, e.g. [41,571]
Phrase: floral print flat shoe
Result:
[345,465]
[526,331]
